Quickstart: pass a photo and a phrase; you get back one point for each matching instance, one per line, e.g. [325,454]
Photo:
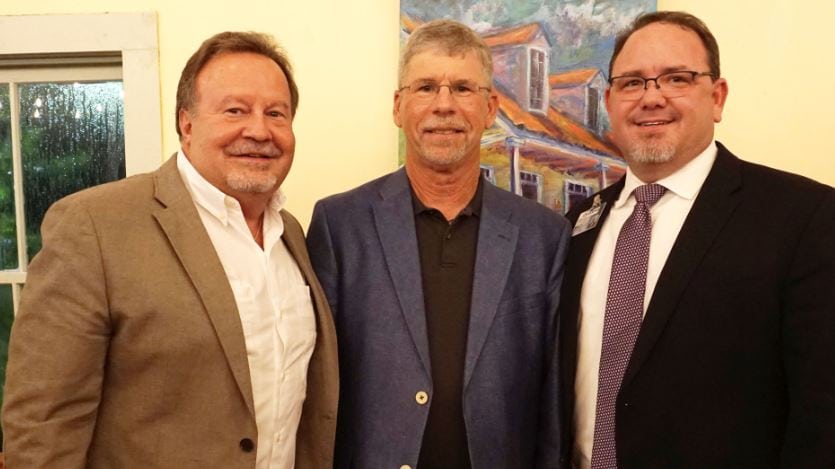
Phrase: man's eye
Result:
[679,78]
[275,114]
[464,88]
[234,111]
[633,83]
[425,88]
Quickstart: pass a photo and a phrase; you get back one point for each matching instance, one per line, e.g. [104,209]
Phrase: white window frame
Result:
[131,35]
[537,79]
[134,35]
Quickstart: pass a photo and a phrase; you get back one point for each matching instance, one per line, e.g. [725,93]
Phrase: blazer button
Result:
[421,397]
[246,445]
[405,466]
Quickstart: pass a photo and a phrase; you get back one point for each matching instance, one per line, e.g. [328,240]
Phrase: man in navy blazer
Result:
[444,288]
[733,362]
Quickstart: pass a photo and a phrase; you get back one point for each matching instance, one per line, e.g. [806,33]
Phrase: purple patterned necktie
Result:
[624,313]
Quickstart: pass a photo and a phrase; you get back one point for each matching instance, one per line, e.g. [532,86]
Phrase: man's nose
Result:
[256,127]
[652,96]
[444,100]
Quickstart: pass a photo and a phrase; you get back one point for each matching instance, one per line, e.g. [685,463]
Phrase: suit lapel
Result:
[577,261]
[495,251]
[711,210]
[181,223]
[395,222]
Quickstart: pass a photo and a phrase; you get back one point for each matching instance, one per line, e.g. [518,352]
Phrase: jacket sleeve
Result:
[322,256]
[550,433]
[58,346]
[808,312]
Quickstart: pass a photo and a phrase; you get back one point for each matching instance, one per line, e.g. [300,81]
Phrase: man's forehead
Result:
[436,63]
[660,47]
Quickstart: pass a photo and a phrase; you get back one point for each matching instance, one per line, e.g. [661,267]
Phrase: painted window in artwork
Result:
[575,192]
[488,173]
[537,79]
[592,108]
[531,185]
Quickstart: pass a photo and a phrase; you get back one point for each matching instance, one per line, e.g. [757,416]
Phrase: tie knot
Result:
[649,194]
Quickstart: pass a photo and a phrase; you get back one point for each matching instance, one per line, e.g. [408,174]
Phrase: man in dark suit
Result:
[444,288]
[167,312]
[726,360]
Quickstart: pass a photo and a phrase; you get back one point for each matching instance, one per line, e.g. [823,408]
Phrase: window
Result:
[537,80]
[79,105]
[592,108]
[575,192]
[488,173]
[531,184]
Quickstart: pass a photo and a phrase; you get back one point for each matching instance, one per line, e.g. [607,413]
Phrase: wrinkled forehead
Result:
[438,63]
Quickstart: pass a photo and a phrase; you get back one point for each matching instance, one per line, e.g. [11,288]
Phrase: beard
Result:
[253,181]
[650,151]
[444,154]
[255,178]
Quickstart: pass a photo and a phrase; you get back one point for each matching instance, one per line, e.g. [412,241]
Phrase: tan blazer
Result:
[128,351]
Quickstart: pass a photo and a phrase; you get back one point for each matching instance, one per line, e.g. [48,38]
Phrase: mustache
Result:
[241,148]
[444,123]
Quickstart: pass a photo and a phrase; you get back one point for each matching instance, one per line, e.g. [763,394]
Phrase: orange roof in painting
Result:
[556,125]
[513,36]
[572,77]
[408,23]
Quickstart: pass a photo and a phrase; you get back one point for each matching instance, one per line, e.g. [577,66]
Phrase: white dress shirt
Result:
[276,313]
[668,215]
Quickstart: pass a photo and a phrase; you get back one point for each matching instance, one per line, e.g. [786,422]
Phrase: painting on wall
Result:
[550,64]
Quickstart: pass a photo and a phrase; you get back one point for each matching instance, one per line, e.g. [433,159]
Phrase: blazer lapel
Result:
[711,210]
[577,261]
[189,240]
[395,222]
[496,248]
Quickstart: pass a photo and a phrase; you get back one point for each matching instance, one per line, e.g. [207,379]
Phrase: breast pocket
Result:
[298,322]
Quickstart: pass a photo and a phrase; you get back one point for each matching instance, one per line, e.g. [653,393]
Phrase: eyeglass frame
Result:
[658,87]
[449,86]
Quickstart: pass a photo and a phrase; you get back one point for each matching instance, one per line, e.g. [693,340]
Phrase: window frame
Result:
[133,37]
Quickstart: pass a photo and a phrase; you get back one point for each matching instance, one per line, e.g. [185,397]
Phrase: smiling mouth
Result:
[443,131]
[653,123]
[255,155]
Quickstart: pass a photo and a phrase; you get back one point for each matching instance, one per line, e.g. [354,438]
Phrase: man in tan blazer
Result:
[147,336]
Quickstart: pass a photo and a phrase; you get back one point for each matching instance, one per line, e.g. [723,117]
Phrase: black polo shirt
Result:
[447,262]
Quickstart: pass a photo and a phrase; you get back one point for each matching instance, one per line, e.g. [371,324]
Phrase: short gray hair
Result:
[451,37]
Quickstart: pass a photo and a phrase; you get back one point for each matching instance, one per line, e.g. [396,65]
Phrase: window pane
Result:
[72,137]
[8,238]
[6,315]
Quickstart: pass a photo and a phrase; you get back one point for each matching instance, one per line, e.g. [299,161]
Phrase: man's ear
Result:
[184,124]
[395,112]
[720,94]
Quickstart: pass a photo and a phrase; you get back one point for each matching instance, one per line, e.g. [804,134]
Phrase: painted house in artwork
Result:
[536,148]
[579,94]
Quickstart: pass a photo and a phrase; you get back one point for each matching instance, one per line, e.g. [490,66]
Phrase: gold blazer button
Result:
[421,397]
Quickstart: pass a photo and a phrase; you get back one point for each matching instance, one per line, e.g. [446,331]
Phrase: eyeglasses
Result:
[671,85]
[428,90]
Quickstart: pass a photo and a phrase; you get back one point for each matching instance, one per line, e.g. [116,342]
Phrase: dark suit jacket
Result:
[128,349]
[734,365]
[364,249]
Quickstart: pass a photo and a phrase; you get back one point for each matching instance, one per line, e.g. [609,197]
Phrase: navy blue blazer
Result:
[364,250]
[734,366]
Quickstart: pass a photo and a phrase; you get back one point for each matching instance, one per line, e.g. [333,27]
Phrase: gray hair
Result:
[451,37]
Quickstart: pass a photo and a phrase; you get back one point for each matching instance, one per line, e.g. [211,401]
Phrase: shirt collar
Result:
[685,183]
[472,208]
[217,203]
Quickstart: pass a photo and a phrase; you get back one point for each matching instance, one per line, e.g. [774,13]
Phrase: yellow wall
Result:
[775,54]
